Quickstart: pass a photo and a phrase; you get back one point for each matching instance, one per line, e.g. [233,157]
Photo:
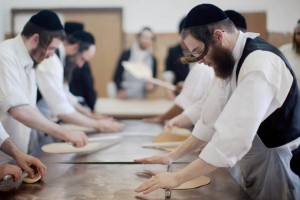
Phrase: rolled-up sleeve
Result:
[238,123]
[51,87]
[11,93]
[195,86]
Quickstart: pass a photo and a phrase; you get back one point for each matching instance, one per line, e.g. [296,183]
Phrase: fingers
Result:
[78,139]
[28,169]
[13,170]
[142,160]
[110,126]
[40,166]
[148,186]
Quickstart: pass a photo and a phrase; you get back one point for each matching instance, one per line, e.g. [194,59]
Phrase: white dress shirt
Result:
[49,76]
[263,84]
[293,58]
[17,87]
[195,85]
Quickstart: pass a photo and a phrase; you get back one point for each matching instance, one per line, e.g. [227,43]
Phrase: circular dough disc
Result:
[63,147]
[198,182]
[36,178]
[174,135]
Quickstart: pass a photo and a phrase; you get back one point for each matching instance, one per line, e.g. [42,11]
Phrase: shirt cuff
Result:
[12,101]
[213,156]
[202,131]
[192,114]
[182,102]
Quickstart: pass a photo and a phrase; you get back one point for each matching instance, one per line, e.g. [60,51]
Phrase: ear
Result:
[219,35]
[34,39]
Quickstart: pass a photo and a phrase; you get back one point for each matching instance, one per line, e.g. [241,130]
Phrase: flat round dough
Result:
[174,135]
[63,147]
[36,178]
[198,182]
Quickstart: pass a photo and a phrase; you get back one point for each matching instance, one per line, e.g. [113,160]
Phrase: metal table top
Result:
[71,176]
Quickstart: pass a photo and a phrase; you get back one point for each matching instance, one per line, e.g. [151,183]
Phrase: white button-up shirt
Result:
[3,135]
[233,112]
[17,87]
[49,76]
[195,85]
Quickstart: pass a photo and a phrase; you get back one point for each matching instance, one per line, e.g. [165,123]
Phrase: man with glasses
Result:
[257,130]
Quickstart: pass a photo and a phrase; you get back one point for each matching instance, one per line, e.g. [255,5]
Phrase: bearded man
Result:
[18,57]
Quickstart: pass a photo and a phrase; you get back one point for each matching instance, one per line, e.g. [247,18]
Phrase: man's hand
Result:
[77,138]
[107,125]
[28,163]
[154,120]
[161,180]
[8,169]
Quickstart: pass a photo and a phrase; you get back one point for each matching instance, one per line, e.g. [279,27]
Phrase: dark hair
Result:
[82,38]
[238,19]
[181,25]
[296,46]
[205,34]
[71,27]
[145,29]
[45,36]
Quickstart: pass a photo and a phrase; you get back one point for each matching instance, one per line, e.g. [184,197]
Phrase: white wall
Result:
[164,15]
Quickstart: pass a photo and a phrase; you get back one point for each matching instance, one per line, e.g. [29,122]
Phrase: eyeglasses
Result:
[198,53]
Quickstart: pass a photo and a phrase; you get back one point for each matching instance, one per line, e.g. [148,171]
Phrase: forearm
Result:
[195,169]
[172,112]
[78,119]
[189,145]
[10,148]
[32,118]
[79,108]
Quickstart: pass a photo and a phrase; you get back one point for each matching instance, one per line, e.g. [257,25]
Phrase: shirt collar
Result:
[237,53]
[240,44]
[22,52]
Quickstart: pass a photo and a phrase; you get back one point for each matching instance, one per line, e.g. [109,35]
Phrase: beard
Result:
[37,54]
[223,61]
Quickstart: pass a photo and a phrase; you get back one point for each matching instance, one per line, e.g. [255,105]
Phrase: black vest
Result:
[283,125]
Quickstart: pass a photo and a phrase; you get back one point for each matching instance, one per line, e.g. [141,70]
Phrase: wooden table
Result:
[132,108]
[71,176]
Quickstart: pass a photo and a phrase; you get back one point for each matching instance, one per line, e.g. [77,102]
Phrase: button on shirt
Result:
[263,84]
[17,87]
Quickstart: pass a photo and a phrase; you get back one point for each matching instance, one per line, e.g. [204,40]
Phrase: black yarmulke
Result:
[238,19]
[181,25]
[84,36]
[203,15]
[71,27]
[48,20]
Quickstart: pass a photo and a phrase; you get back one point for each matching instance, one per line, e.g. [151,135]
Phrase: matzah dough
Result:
[198,182]
[36,178]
